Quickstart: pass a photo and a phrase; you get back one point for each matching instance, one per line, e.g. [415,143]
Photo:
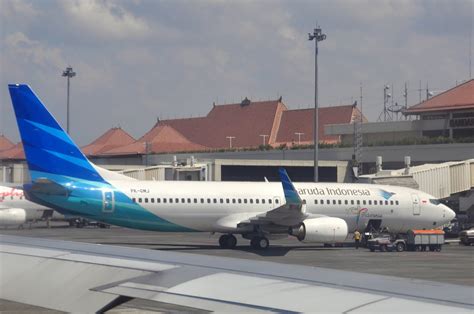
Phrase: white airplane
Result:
[64,179]
[15,209]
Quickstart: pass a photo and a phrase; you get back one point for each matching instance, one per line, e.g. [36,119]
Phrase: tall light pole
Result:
[69,73]
[230,140]
[317,36]
[299,137]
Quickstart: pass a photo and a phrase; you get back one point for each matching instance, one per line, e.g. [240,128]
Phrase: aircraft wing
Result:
[291,213]
[84,277]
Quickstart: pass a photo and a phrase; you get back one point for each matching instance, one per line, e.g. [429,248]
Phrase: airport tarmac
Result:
[454,264]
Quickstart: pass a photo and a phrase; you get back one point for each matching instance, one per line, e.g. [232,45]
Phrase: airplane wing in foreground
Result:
[83,277]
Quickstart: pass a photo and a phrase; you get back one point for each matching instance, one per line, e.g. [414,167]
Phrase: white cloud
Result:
[106,19]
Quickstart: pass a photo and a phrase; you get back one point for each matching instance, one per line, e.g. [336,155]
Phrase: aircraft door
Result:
[416,204]
[108,201]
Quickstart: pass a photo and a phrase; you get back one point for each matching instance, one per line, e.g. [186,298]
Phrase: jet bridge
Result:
[440,180]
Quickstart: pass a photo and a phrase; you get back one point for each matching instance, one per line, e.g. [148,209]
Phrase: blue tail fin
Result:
[49,150]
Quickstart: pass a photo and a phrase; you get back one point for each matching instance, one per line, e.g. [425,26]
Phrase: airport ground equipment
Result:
[421,240]
[385,243]
[466,237]
[414,240]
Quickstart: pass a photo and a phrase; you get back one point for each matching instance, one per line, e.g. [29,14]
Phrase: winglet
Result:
[291,195]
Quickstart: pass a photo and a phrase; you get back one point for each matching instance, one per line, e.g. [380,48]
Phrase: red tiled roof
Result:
[161,139]
[111,139]
[301,121]
[456,98]
[243,122]
[15,152]
[5,143]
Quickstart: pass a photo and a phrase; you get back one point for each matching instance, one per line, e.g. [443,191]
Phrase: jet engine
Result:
[12,216]
[321,230]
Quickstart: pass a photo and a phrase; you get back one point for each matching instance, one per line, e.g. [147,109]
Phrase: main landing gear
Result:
[227,241]
[259,243]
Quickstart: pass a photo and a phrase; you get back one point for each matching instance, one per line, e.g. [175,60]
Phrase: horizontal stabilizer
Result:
[46,186]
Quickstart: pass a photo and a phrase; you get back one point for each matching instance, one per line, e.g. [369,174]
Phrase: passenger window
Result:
[328,202]
[257,201]
[164,200]
[176,200]
[171,200]
[277,201]
[396,202]
[334,202]
[269,201]
[152,200]
[158,200]
[391,202]
[202,201]
[215,201]
[304,201]
[221,201]
[251,201]
[386,202]
[195,200]
[358,202]
[233,201]
[245,201]
[370,202]
[346,202]
[239,201]
[146,199]
[375,202]
[339,202]
[208,200]
[133,200]
[139,200]
[263,201]
[189,200]
[183,200]
[363,202]
[352,202]
[227,200]
[316,202]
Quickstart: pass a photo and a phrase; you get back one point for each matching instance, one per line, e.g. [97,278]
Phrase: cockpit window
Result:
[435,202]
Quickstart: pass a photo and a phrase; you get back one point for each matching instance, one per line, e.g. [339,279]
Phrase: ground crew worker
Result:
[357,238]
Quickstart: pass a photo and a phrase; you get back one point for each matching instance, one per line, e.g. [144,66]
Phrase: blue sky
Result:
[137,60]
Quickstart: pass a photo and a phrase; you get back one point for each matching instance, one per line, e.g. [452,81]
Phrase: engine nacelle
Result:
[12,216]
[321,230]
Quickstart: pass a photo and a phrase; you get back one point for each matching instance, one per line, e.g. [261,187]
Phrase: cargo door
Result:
[416,204]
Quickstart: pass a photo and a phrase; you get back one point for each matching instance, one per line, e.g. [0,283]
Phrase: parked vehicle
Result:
[466,237]
[414,240]
[421,240]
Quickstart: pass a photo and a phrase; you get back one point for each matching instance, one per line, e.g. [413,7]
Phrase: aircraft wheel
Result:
[227,241]
[259,243]
[223,241]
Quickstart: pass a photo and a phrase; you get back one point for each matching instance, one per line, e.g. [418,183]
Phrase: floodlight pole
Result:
[317,36]
[69,73]
[299,137]
[230,140]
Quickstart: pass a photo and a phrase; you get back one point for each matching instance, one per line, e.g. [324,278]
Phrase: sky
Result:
[137,60]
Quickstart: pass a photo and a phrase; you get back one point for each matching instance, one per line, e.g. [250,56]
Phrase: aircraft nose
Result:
[450,214]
